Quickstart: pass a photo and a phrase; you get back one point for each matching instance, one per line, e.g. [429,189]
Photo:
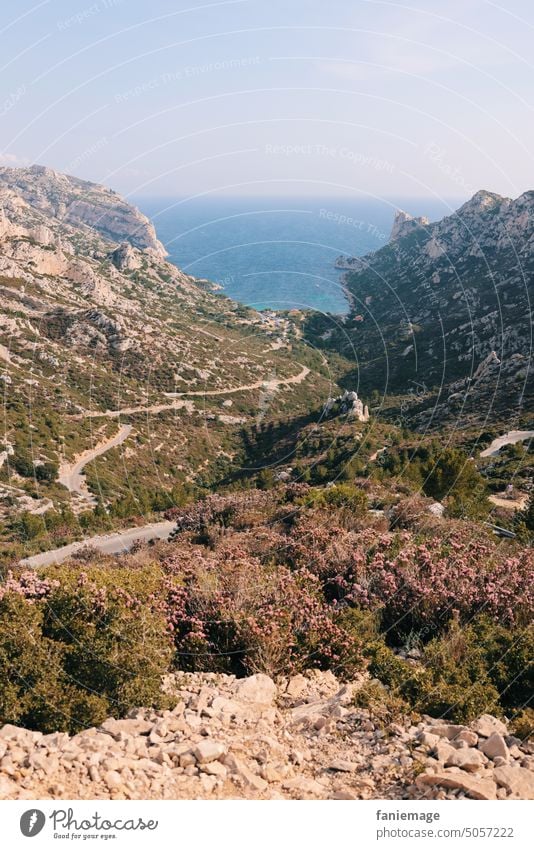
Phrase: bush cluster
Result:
[77,647]
[235,614]
[276,581]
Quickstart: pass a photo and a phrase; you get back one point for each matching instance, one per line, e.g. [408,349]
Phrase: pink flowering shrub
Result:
[425,583]
[272,582]
[236,615]
[418,583]
[222,511]
[28,585]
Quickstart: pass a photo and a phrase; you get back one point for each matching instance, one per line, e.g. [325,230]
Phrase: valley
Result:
[130,388]
[94,331]
[218,523]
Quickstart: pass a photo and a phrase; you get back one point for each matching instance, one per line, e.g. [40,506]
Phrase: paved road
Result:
[107,543]
[509,438]
[71,474]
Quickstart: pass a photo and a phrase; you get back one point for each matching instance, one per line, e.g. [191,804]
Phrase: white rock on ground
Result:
[230,739]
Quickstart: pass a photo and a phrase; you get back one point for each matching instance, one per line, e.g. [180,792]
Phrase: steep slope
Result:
[443,312]
[95,332]
[81,203]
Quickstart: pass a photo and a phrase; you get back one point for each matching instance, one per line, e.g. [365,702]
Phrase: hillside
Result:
[125,382]
[326,612]
[284,644]
[442,314]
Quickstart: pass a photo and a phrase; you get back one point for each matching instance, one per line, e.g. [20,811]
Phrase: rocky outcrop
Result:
[253,739]
[450,312]
[404,224]
[91,330]
[347,263]
[125,258]
[81,203]
[348,405]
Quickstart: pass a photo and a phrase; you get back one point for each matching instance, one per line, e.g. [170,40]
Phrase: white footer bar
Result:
[273,824]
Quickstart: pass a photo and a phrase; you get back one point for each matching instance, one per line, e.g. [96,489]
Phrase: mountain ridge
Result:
[80,202]
[96,331]
[436,302]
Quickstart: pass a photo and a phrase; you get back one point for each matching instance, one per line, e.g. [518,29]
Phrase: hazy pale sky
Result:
[272,97]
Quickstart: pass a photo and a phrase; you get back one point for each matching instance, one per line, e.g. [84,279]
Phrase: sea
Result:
[277,253]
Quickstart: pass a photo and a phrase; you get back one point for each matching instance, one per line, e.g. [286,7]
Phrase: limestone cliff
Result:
[437,302]
[403,224]
[79,202]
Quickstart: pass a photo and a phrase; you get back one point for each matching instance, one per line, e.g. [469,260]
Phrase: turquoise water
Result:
[275,253]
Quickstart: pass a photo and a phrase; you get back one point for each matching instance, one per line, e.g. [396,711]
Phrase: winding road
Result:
[509,438]
[71,474]
[268,385]
[113,543]
[72,477]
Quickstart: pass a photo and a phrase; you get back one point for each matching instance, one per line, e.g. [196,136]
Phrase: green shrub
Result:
[470,671]
[457,685]
[509,658]
[23,464]
[78,648]
[384,705]
[451,474]
[47,472]
[522,725]
[27,526]
[30,667]
[338,496]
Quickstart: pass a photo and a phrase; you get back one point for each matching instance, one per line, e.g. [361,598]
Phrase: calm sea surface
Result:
[276,253]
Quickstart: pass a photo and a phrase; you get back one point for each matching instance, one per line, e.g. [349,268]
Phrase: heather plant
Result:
[279,582]
[235,614]
[421,585]
[219,510]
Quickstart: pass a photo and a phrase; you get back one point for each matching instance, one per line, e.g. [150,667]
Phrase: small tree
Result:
[451,474]
[47,471]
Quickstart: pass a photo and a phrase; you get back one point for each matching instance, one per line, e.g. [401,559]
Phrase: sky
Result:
[364,98]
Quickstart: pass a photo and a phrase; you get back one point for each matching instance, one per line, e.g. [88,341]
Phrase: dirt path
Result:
[131,411]
[107,543]
[509,503]
[71,474]
[267,385]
